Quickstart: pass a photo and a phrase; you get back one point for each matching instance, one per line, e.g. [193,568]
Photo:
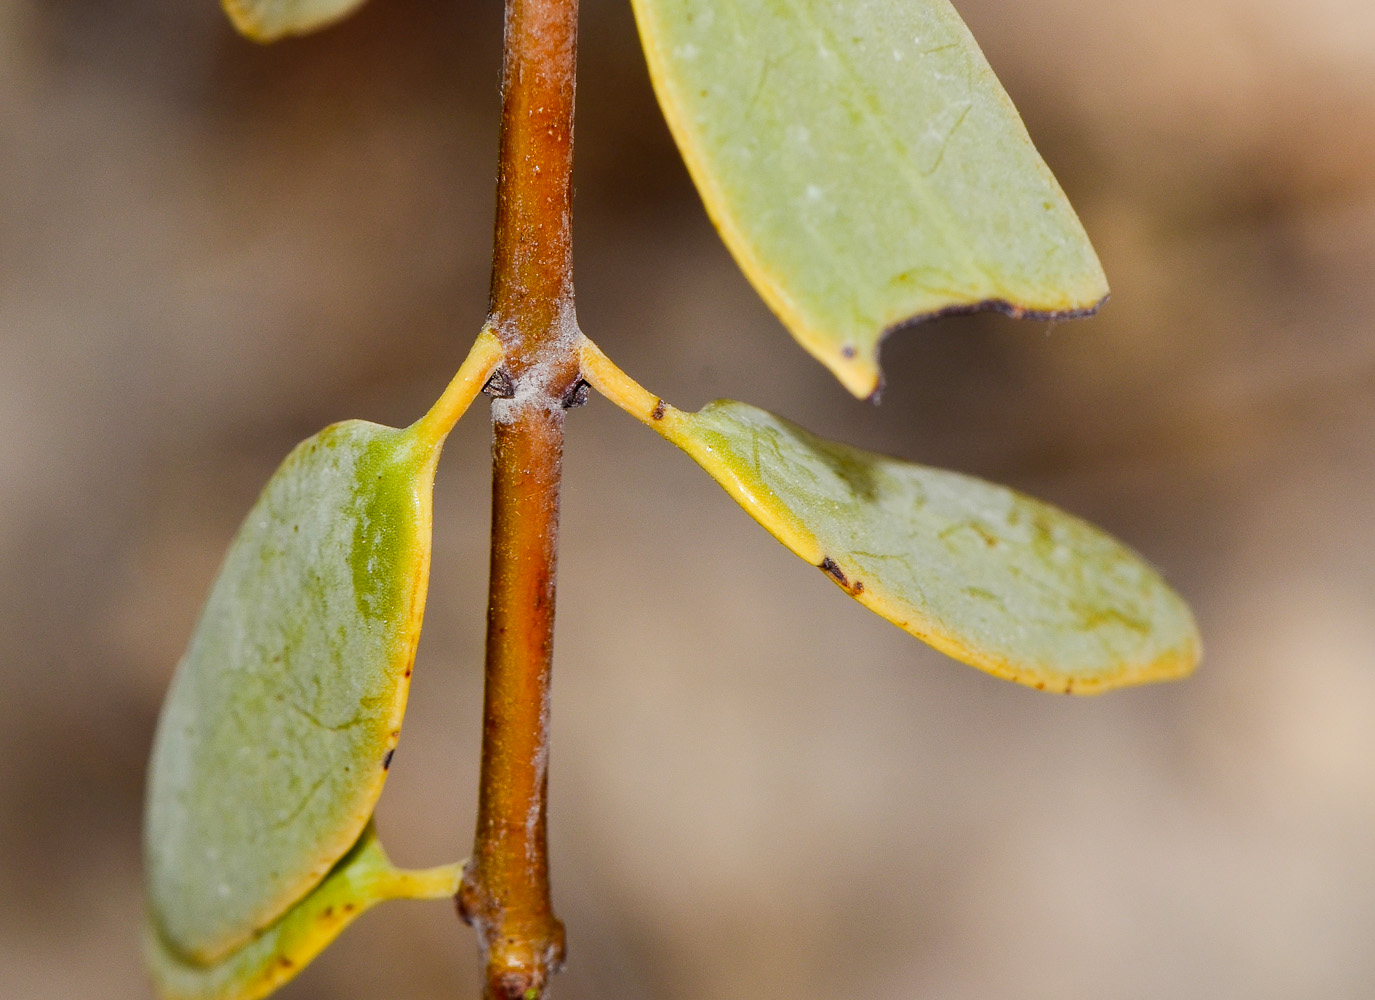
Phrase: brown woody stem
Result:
[505,891]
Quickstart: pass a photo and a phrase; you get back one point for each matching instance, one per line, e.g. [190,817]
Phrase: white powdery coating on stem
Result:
[533,388]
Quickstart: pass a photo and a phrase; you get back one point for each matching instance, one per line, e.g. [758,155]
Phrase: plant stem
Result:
[532,266]
[505,891]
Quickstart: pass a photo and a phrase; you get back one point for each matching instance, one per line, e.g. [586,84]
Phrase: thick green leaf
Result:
[993,578]
[279,727]
[864,166]
[363,878]
[989,576]
[270,20]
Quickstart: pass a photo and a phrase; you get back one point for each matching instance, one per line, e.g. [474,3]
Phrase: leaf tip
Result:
[247,22]
[1174,664]
[267,21]
[858,372]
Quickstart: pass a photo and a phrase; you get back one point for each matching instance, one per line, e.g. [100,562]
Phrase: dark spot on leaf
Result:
[285,962]
[349,907]
[847,351]
[858,588]
[658,413]
[386,761]
[829,567]
[327,912]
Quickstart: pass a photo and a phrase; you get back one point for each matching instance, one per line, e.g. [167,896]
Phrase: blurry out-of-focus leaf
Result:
[864,166]
[991,577]
[361,879]
[279,727]
[270,20]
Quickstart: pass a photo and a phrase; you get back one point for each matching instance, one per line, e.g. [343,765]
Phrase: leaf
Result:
[865,167]
[363,878]
[278,729]
[274,740]
[272,20]
[996,579]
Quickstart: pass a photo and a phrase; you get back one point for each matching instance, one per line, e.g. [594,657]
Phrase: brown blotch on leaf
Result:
[286,963]
[386,761]
[990,539]
[829,567]
[658,413]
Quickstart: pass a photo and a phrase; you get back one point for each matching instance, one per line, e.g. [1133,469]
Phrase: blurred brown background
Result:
[208,250]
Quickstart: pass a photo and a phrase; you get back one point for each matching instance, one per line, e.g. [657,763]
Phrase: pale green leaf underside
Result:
[270,20]
[991,577]
[280,723]
[363,878]
[278,728]
[282,717]
[865,167]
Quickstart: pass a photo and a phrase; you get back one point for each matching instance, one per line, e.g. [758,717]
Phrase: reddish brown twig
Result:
[505,892]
